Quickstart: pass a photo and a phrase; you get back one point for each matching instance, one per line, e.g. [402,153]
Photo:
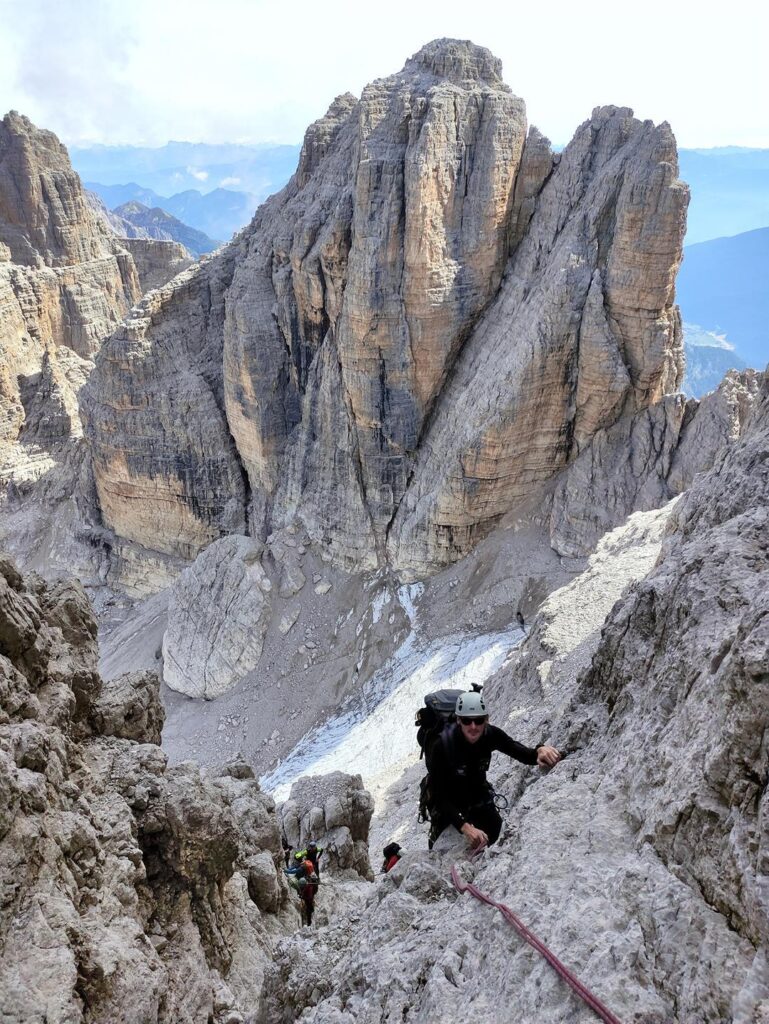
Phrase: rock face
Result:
[218,613]
[157,262]
[335,812]
[434,317]
[640,859]
[644,460]
[699,624]
[128,890]
[158,257]
[174,410]
[64,281]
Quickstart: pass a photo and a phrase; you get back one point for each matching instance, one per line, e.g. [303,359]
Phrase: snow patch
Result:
[373,735]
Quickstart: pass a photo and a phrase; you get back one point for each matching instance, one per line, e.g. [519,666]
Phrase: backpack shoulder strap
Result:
[449,742]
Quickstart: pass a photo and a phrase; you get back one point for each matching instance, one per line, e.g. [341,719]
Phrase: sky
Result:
[146,71]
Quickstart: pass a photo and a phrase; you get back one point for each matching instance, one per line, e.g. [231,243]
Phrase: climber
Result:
[392,854]
[311,853]
[457,791]
[303,878]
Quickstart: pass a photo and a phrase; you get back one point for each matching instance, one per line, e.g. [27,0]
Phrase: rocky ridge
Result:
[63,280]
[436,317]
[129,889]
[639,859]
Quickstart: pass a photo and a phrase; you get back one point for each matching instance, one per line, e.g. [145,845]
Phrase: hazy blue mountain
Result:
[257,170]
[213,188]
[159,224]
[115,195]
[722,286]
[730,191]
[217,214]
[708,357]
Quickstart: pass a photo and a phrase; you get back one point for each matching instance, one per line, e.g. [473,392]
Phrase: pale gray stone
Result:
[378,342]
[124,883]
[288,620]
[334,811]
[292,579]
[218,614]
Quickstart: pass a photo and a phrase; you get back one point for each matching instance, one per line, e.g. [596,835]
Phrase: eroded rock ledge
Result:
[129,890]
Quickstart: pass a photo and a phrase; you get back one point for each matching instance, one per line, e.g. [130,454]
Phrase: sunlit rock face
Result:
[434,317]
[65,284]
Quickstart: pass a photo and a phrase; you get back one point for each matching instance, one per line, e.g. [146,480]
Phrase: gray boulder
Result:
[334,811]
[217,619]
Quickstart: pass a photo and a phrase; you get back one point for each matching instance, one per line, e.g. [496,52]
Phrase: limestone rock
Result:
[334,811]
[264,882]
[292,579]
[645,845]
[123,882]
[218,613]
[700,708]
[288,619]
[130,707]
[156,261]
[582,331]
[644,460]
[181,445]
[433,319]
[63,279]
[64,286]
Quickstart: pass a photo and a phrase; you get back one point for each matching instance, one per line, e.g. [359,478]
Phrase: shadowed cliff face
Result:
[433,318]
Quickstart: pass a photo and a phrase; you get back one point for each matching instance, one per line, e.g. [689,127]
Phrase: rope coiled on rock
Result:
[595,1004]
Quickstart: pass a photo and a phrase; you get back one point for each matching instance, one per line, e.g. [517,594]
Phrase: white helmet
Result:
[470,705]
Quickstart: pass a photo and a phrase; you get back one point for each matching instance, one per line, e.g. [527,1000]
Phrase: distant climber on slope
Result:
[455,790]
[303,878]
[392,853]
[311,853]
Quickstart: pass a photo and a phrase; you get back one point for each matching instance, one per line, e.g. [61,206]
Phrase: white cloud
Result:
[197,175]
[252,70]
[229,181]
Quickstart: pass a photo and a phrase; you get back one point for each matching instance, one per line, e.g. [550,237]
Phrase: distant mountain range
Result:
[156,223]
[730,191]
[215,189]
[217,214]
[708,357]
[722,287]
[258,170]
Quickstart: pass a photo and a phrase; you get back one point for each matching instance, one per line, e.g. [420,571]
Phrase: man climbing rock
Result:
[457,762]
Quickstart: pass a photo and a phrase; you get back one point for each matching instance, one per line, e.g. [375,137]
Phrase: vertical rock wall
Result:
[64,282]
[434,317]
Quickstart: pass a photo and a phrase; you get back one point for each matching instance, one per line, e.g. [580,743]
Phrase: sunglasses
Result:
[474,721]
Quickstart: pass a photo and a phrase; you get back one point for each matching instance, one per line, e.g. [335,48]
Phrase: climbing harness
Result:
[595,1004]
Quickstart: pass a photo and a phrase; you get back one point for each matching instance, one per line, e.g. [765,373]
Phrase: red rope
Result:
[570,979]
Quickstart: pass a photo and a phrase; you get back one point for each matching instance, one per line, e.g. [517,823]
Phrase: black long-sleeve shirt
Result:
[458,769]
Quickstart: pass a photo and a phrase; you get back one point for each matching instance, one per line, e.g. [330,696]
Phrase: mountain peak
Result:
[458,60]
